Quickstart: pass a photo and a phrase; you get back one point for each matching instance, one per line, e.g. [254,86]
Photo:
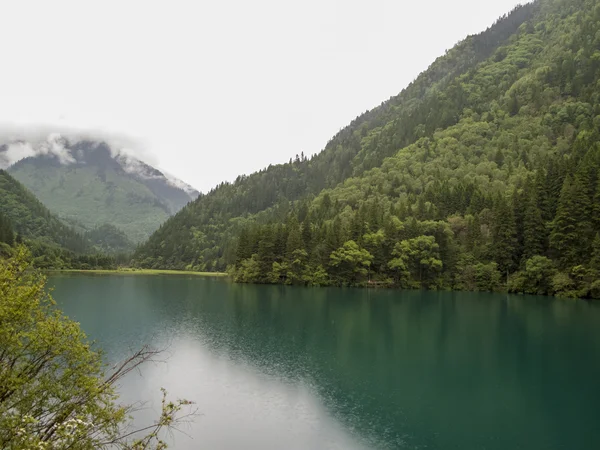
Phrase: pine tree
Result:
[244,247]
[595,261]
[534,231]
[307,235]
[266,252]
[554,182]
[518,207]
[543,201]
[571,227]
[6,232]
[294,239]
[474,234]
[504,235]
[596,207]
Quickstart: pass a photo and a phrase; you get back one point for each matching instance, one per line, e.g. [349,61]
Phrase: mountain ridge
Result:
[203,235]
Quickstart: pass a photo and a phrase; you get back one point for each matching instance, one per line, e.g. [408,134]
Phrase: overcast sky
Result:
[213,89]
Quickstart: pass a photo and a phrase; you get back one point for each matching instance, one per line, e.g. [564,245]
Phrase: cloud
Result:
[22,142]
[35,140]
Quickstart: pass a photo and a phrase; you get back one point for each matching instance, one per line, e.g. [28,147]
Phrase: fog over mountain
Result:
[17,144]
[91,179]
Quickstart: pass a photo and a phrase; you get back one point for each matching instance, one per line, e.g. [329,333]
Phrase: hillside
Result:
[493,182]
[30,219]
[88,187]
[53,244]
[203,235]
[507,197]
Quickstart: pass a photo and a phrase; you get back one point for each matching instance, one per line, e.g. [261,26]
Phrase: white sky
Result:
[213,89]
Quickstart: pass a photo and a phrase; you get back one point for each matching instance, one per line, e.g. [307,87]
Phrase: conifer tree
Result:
[307,235]
[534,231]
[504,235]
[474,234]
[244,250]
[595,261]
[543,200]
[294,239]
[571,227]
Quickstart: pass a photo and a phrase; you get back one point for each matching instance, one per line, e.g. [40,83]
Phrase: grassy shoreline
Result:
[135,272]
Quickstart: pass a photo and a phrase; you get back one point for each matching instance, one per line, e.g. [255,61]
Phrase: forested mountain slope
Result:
[202,235]
[54,245]
[89,186]
[499,184]
[509,194]
[30,219]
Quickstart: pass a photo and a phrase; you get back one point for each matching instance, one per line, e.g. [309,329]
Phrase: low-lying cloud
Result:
[27,141]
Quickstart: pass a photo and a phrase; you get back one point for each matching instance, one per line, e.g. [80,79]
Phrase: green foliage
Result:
[53,244]
[54,391]
[249,270]
[433,101]
[7,235]
[536,278]
[350,263]
[418,260]
[571,227]
[32,220]
[491,155]
[109,239]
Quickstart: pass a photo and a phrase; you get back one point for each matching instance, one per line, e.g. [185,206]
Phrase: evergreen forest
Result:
[480,175]
[52,243]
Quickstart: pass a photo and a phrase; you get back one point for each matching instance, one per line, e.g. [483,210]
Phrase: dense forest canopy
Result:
[203,235]
[482,173]
[53,244]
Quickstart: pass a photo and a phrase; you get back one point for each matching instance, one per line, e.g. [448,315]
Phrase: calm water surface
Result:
[274,367]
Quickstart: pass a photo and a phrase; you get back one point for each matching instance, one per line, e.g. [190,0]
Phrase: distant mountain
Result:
[89,185]
[52,243]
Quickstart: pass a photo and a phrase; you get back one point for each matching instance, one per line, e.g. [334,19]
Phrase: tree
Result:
[504,235]
[294,240]
[534,231]
[595,261]
[7,235]
[420,258]
[351,261]
[375,244]
[487,276]
[570,228]
[539,272]
[474,234]
[54,391]
[248,271]
[297,267]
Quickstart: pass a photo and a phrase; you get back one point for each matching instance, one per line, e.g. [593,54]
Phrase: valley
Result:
[430,279]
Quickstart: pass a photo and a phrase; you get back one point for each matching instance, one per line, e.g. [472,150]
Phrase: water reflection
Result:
[275,367]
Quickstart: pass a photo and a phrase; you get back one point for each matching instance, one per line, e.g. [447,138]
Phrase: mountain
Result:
[88,186]
[53,244]
[203,235]
[484,174]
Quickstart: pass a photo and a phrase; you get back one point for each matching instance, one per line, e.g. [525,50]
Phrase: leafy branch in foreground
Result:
[55,390]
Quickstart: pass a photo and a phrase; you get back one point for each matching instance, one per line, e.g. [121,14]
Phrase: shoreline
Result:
[134,272]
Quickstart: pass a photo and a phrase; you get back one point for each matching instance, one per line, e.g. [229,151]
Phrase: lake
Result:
[275,367]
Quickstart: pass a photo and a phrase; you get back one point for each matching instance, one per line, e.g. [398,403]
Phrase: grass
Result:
[129,271]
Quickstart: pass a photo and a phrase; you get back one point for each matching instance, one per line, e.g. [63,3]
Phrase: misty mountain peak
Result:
[57,149]
[89,183]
